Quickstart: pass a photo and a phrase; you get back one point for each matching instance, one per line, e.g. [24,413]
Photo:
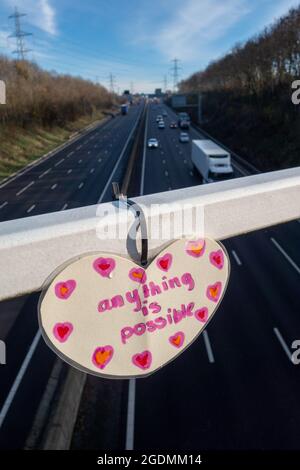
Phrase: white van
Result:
[211,160]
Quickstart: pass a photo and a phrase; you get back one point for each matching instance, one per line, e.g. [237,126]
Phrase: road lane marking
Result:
[3,204]
[69,171]
[45,173]
[79,161]
[79,147]
[284,253]
[184,161]
[129,444]
[166,173]
[60,161]
[208,347]
[99,160]
[11,395]
[283,344]
[191,173]
[69,154]
[30,208]
[164,162]
[92,170]
[80,186]
[237,259]
[64,207]
[24,189]
[54,186]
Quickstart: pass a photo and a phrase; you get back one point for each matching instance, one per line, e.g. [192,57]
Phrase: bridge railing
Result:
[33,247]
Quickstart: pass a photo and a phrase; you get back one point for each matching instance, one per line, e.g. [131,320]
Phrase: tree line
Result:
[267,61]
[36,96]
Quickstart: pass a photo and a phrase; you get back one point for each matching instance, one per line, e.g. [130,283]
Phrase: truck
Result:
[212,161]
[183,120]
[124,109]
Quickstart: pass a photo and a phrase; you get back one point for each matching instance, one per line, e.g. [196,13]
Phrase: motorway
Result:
[235,387]
[78,175]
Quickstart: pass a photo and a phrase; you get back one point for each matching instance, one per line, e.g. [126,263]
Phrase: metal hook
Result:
[139,214]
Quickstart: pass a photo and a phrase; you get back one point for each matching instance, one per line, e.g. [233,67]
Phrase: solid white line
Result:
[3,204]
[30,208]
[144,155]
[237,259]
[24,189]
[10,397]
[108,184]
[287,257]
[54,186]
[208,347]
[60,161]
[64,207]
[80,186]
[45,173]
[129,444]
[283,344]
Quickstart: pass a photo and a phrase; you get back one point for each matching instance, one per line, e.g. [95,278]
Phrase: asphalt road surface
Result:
[77,175]
[236,386]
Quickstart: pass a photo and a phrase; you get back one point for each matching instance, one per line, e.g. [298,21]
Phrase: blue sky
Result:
[135,40]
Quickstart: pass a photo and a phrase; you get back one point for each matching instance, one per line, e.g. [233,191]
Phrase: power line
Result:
[19,34]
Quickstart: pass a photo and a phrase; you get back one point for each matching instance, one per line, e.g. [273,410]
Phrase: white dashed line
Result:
[54,186]
[24,189]
[81,185]
[237,259]
[69,171]
[64,207]
[45,173]
[283,344]
[208,347]
[79,161]
[92,170]
[99,160]
[184,161]
[60,161]
[191,173]
[166,173]
[164,162]
[287,257]
[79,147]
[30,208]
[3,204]
[69,154]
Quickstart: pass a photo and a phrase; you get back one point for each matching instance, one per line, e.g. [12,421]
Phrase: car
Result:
[184,137]
[159,118]
[173,125]
[152,143]
[161,125]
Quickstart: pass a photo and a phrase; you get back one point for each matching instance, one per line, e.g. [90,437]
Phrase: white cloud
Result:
[195,25]
[281,8]
[40,13]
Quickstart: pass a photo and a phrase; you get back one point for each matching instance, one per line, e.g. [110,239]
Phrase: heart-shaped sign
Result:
[106,315]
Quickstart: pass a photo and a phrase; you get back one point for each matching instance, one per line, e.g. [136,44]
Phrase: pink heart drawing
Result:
[64,289]
[104,266]
[142,360]
[177,339]
[202,314]
[213,291]
[217,259]
[62,331]
[164,262]
[196,248]
[138,275]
